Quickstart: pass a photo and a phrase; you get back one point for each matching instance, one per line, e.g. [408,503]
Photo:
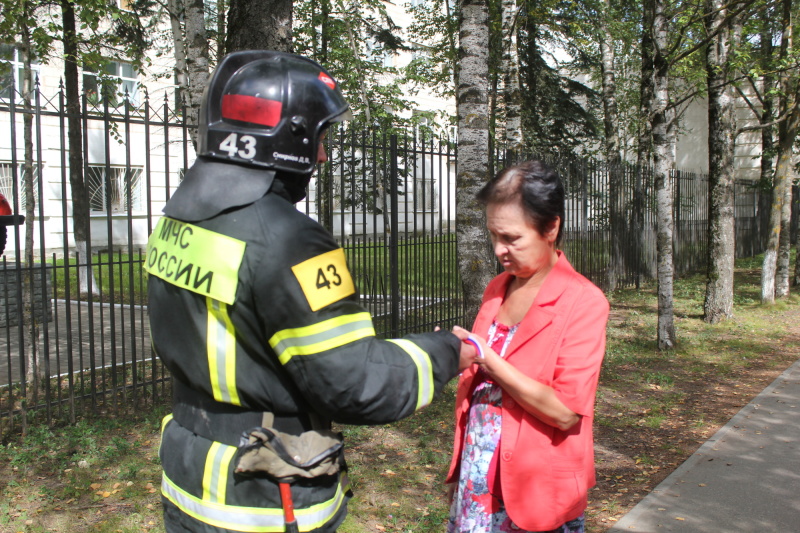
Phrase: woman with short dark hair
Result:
[523,458]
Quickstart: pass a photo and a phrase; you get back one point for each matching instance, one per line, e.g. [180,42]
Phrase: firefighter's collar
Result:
[210,187]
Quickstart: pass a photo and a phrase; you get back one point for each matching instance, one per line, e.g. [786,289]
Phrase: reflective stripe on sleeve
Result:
[424,371]
[215,476]
[322,336]
[221,352]
[252,519]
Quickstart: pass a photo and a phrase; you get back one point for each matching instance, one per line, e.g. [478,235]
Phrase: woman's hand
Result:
[487,358]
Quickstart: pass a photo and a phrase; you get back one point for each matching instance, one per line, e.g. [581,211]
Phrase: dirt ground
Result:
[631,462]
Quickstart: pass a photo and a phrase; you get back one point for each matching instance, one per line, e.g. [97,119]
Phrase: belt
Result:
[225,423]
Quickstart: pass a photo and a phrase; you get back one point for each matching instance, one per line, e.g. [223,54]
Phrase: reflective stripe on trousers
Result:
[252,519]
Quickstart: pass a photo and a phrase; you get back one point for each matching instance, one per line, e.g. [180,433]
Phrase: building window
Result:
[7,182]
[114,82]
[11,71]
[380,54]
[116,185]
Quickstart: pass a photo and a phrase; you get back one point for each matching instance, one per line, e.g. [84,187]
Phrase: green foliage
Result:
[560,114]
[433,31]
[356,41]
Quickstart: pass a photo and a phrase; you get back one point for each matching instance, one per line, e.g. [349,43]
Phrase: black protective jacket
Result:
[253,310]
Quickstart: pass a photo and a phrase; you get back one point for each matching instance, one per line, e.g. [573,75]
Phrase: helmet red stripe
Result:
[251,109]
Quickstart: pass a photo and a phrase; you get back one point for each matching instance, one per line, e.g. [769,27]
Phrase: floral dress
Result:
[477,505]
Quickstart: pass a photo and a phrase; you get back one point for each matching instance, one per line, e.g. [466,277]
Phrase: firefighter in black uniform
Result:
[254,312]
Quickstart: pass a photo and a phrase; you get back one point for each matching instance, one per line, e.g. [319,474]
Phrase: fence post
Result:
[394,280]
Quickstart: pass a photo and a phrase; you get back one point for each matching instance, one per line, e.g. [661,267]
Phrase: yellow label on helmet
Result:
[195,259]
[324,279]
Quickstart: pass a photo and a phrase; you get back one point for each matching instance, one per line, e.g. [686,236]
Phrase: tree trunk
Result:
[29,178]
[475,262]
[644,151]
[769,265]
[80,197]
[796,239]
[221,29]
[259,25]
[616,205]
[325,177]
[197,66]
[787,131]
[768,178]
[766,59]
[512,95]
[175,11]
[784,173]
[718,304]
[785,245]
[662,172]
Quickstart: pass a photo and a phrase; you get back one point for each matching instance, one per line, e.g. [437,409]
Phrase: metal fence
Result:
[389,199]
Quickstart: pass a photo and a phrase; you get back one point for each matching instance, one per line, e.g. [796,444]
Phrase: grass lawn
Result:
[654,409]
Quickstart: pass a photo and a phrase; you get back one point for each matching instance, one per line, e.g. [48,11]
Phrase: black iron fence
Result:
[69,350]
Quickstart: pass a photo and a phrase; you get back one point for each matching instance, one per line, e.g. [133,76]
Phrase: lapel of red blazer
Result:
[543,310]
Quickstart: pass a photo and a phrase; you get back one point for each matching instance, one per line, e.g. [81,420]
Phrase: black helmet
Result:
[268,109]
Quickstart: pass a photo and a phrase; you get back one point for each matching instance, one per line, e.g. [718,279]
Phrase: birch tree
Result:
[787,132]
[718,304]
[662,172]
[29,175]
[259,25]
[475,262]
[644,142]
[512,95]
[197,64]
[768,180]
[616,205]
[175,13]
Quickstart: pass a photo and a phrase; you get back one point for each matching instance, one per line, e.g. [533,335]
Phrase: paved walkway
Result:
[114,333]
[746,478]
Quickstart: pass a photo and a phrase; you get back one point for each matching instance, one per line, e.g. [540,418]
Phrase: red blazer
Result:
[545,473]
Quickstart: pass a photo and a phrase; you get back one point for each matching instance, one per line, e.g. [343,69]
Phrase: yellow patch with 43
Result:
[324,279]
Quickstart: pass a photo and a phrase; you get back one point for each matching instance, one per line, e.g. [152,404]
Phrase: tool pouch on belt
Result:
[288,457]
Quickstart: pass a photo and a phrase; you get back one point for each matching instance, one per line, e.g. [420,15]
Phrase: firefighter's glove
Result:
[287,457]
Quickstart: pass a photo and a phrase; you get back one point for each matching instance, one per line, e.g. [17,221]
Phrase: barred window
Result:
[7,182]
[114,82]
[115,185]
